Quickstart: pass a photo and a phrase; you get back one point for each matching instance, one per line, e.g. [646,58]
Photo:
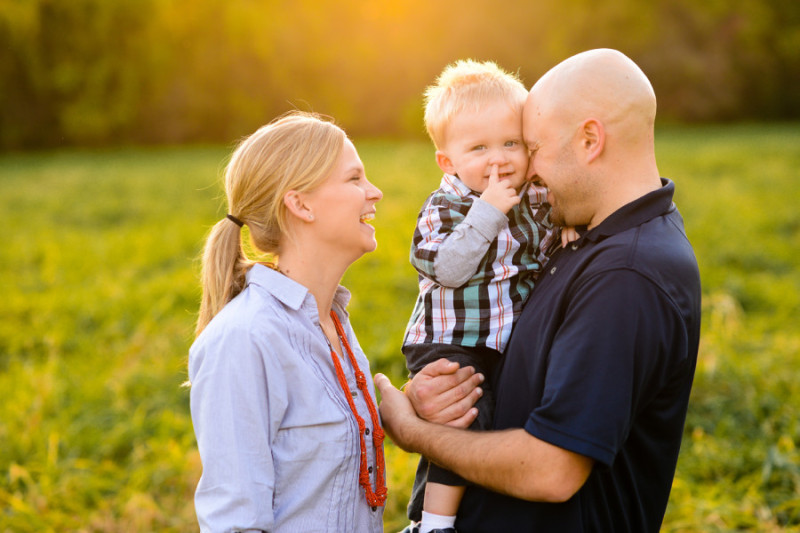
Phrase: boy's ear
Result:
[592,139]
[445,163]
[296,203]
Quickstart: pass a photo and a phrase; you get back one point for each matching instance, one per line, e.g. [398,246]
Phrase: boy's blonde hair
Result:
[466,85]
[294,152]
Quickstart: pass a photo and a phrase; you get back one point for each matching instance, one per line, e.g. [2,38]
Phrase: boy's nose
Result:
[497,157]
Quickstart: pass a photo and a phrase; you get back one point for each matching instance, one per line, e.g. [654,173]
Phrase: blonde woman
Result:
[282,398]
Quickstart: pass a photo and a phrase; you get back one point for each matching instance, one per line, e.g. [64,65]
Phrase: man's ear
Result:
[592,138]
[296,203]
[445,163]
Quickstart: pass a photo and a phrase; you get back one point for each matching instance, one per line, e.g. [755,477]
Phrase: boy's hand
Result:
[500,193]
[568,234]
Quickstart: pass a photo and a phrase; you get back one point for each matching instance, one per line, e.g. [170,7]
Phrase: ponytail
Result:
[223,272]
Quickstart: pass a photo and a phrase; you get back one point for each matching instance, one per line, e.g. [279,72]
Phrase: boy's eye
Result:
[511,144]
[478,147]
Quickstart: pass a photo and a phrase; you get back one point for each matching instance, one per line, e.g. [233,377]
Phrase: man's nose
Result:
[532,172]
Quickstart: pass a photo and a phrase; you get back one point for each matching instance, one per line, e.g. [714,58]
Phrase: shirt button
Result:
[369,469]
[574,246]
[366,431]
[552,271]
[374,509]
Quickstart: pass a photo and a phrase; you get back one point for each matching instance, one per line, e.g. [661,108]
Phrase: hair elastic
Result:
[234,220]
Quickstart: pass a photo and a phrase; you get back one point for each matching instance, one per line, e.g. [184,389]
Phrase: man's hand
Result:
[397,414]
[500,193]
[444,393]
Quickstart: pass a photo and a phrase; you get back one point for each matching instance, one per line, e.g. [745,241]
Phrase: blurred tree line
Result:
[92,72]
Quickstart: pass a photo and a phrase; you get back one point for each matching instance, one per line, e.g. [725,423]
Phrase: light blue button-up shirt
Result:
[279,444]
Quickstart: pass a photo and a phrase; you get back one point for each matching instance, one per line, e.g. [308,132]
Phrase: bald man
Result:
[593,393]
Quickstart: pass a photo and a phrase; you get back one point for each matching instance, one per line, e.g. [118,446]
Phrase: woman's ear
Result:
[593,139]
[445,163]
[296,204]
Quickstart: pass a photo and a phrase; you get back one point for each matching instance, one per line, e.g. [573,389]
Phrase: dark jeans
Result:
[485,361]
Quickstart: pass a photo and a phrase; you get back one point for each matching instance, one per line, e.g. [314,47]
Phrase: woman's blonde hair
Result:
[466,85]
[296,151]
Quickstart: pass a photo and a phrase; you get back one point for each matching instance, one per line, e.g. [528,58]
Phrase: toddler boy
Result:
[480,241]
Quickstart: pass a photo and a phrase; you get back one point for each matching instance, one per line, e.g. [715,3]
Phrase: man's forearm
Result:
[470,454]
[511,462]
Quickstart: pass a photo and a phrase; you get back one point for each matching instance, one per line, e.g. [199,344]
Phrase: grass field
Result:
[98,276]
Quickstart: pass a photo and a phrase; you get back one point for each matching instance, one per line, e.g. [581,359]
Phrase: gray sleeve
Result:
[462,252]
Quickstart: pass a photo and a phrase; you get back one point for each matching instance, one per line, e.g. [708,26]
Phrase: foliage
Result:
[95,72]
[99,279]
[739,465]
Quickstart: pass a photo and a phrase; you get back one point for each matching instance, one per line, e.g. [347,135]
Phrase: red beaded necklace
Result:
[378,496]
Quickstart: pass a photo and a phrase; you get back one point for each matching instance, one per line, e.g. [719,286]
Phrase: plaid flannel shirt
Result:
[482,311]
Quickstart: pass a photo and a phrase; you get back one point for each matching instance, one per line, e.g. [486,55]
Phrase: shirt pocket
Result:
[315,430]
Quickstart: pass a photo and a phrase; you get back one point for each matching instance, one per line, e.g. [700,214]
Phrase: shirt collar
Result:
[453,185]
[636,213]
[288,291]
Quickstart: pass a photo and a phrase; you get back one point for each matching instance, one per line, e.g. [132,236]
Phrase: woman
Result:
[282,398]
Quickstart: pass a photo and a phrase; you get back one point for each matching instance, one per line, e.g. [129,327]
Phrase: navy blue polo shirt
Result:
[601,363]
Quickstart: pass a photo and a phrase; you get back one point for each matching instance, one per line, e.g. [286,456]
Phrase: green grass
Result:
[98,284]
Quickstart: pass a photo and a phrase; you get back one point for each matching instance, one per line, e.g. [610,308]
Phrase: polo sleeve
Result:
[612,355]
[235,413]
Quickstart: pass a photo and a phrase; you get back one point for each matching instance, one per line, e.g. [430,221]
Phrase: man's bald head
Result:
[589,124]
[603,84]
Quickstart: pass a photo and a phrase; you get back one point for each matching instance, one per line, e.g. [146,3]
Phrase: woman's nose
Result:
[374,193]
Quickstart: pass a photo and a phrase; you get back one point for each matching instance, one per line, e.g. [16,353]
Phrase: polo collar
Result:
[636,213]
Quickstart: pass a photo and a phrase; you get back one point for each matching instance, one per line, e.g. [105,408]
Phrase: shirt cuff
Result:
[557,436]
